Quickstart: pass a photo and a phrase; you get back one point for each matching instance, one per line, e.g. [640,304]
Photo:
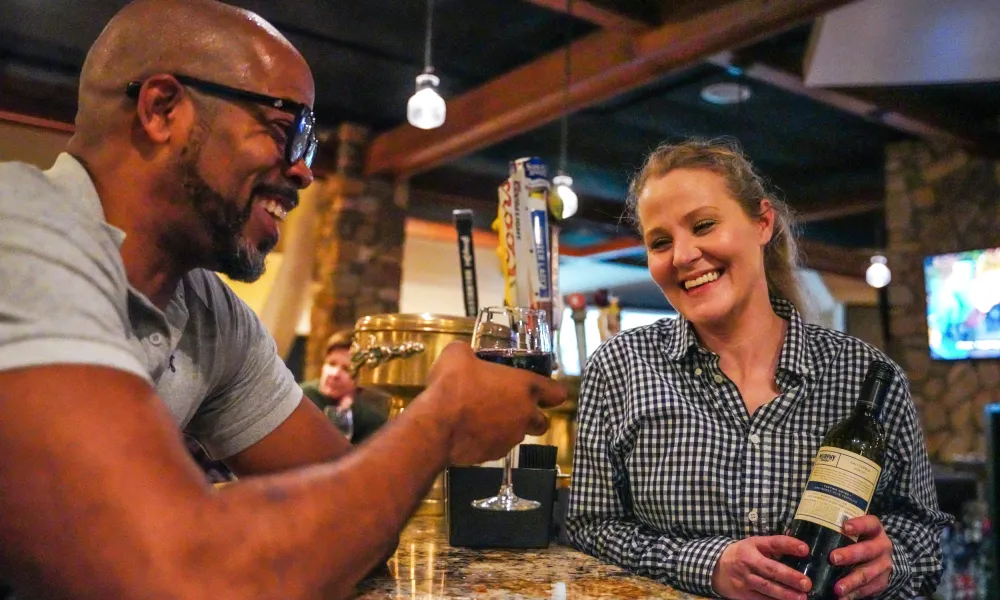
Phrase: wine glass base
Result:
[506,503]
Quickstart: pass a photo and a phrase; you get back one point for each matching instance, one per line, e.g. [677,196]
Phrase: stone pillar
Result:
[360,248]
[939,199]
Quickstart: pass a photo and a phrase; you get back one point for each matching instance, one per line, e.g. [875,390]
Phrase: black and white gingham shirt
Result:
[670,468]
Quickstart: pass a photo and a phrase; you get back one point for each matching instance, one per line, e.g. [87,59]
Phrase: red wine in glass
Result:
[539,362]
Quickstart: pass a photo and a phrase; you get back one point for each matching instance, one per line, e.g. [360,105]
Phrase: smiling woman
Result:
[696,434]
[716,176]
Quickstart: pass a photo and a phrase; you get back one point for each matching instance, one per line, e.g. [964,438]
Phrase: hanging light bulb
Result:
[566,201]
[426,108]
[567,197]
[878,274]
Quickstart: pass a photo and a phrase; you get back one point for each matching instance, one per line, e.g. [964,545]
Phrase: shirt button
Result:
[697,371]
[156,339]
[754,439]
[752,515]
[718,379]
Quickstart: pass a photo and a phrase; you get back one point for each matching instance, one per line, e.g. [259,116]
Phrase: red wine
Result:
[539,362]
[841,485]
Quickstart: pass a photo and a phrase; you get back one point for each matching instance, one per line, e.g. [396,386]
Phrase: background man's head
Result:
[335,380]
[212,170]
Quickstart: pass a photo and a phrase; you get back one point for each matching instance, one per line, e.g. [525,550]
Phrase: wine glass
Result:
[520,338]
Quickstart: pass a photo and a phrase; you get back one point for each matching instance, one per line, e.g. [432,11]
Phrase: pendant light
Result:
[426,108]
[878,274]
[562,181]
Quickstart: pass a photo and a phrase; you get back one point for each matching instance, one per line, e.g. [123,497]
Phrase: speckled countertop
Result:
[426,567]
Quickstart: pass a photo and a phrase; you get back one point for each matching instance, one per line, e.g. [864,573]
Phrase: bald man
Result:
[193,137]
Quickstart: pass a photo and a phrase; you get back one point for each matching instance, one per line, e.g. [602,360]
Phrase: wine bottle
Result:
[841,485]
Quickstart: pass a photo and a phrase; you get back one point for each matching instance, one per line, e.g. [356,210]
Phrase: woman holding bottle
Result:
[697,435]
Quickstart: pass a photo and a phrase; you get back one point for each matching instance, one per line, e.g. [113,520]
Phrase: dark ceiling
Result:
[827,162]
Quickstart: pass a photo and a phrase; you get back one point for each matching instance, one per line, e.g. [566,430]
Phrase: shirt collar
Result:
[681,340]
[69,174]
[795,356]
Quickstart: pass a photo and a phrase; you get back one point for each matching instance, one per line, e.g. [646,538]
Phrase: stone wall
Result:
[939,199]
[360,250]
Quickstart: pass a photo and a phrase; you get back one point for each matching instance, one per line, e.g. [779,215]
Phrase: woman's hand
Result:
[871,557]
[749,570]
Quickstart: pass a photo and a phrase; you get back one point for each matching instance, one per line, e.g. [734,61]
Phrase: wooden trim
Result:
[41,123]
[597,15]
[609,250]
[605,64]
[849,262]
[442,232]
[837,208]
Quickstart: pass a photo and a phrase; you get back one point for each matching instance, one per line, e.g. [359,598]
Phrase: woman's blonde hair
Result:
[725,158]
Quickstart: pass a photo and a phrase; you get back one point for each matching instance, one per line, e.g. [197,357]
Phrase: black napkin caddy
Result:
[475,528]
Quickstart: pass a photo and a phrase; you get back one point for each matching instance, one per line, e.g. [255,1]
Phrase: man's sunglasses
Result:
[300,138]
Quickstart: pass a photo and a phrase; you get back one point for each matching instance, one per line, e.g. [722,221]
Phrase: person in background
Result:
[193,135]
[357,412]
[696,435]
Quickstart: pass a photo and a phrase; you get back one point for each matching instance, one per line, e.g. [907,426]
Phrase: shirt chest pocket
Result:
[790,461]
[675,448]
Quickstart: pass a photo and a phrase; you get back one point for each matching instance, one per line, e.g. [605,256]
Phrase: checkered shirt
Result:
[670,468]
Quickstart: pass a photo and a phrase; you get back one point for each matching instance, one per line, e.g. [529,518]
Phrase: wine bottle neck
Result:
[872,395]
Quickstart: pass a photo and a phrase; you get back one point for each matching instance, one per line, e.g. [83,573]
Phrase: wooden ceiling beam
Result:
[605,64]
[901,118]
[596,14]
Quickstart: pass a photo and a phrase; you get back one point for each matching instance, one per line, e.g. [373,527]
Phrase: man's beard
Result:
[230,253]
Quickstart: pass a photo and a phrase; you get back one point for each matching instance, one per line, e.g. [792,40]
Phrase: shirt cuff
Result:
[902,571]
[696,562]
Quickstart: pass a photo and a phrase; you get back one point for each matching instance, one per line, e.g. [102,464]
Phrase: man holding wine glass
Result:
[193,135]
[697,436]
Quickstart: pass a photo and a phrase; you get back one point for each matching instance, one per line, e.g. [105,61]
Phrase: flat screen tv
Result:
[963,304]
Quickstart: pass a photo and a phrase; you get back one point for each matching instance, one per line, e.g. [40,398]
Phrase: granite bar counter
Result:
[425,566]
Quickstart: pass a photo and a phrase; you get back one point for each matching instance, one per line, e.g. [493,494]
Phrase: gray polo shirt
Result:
[64,298]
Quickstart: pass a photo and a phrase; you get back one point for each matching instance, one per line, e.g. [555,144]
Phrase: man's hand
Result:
[492,406]
[871,555]
[748,570]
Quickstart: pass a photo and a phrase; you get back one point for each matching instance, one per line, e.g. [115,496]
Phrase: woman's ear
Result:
[765,221]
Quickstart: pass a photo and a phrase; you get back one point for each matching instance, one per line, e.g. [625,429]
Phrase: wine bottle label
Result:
[840,487]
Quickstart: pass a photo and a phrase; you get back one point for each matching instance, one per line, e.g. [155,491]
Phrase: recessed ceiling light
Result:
[726,92]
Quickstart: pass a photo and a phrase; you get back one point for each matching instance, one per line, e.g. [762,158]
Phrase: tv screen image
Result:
[963,304]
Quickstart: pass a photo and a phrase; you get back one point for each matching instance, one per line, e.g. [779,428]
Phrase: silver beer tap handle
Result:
[376,356]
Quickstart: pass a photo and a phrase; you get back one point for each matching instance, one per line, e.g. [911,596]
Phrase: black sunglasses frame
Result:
[300,137]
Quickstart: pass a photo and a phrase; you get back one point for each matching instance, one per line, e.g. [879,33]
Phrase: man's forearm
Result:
[323,509]
[121,512]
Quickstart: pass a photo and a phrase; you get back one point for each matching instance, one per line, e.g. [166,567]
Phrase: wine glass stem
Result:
[505,486]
